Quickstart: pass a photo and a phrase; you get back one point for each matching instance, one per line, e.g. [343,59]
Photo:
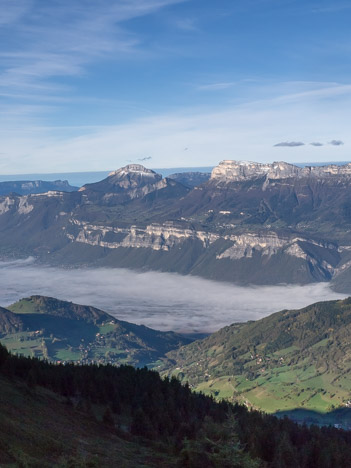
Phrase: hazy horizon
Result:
[80,178]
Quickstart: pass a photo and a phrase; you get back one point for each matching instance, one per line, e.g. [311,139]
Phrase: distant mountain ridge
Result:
[250,223]
[26,187]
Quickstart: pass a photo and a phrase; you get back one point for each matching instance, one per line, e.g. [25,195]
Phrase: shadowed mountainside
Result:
[63,331]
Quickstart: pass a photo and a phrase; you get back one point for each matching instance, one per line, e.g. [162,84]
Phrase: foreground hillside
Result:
[62,331]
[42,428]
[291,359]
[103,416]
[250,223]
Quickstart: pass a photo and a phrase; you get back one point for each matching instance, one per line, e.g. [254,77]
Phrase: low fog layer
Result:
[158,300]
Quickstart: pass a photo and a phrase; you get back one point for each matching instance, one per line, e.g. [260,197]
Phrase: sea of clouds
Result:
[163,301]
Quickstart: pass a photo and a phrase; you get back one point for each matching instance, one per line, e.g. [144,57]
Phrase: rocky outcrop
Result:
[154,236]
[9,322]
[20,204]
[6,204]
[168,236]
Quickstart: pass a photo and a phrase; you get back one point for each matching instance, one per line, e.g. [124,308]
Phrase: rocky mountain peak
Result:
[136,169]
[132,176]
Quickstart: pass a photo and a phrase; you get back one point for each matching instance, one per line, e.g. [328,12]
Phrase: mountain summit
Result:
[126,178]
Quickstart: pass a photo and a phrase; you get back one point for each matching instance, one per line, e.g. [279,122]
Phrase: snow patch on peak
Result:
[135,169]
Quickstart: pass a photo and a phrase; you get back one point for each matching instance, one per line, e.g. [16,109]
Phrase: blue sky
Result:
[94,85]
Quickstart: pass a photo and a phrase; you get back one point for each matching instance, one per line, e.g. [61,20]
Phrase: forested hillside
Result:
[145,421]
[291,359]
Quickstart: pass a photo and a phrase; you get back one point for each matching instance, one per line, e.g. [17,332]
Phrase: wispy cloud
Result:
[238,131]
[316,91]
[216,86]
[12,11]
[290,144]
[316,143]
[59,39]
[186,24]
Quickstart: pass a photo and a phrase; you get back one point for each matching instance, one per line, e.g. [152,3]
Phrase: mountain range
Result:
[249,223]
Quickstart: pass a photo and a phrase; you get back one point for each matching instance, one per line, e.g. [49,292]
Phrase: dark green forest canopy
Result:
[193,427]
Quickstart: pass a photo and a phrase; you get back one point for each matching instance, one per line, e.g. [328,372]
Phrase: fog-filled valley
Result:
[163,301]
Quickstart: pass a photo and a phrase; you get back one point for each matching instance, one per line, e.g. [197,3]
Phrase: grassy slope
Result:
[291,359]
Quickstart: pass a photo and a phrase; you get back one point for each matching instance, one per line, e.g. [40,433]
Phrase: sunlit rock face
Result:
[156,237]
[168,237]
[231,171]
[242,170]
[20,205]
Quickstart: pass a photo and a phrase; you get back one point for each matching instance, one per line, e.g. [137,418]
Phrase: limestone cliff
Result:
[230,171]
